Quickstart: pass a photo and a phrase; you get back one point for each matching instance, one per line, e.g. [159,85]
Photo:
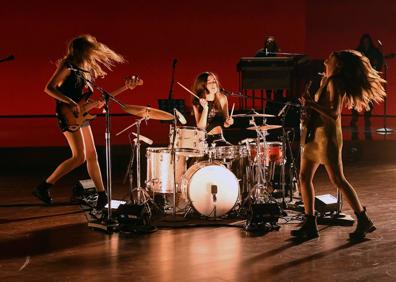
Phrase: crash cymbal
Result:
[265,127]
[147,112]
[253,115]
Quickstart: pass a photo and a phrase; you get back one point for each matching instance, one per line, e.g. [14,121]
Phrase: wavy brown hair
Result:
[200,89]
[362,83]
[87,53]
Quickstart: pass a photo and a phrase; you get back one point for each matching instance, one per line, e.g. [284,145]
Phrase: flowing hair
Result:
[86,52]
[363,85]
[200,89]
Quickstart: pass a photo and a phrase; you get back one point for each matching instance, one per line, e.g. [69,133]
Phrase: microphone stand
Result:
[385,130]
[108,224]
[170,95]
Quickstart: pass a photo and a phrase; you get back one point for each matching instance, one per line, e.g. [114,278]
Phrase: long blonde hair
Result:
[362,83]
[87,53]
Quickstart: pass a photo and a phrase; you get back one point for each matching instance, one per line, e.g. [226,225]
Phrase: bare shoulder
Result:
[221,97]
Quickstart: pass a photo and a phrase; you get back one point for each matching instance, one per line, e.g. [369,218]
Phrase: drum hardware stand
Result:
[261,184]
[285,148]
[143,197]
[173,163]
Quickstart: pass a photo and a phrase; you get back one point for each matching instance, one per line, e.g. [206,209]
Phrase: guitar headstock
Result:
[133,81]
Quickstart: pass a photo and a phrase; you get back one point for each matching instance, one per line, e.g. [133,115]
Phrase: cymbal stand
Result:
[286,147]
[173,163]
[142,195]
[259,190]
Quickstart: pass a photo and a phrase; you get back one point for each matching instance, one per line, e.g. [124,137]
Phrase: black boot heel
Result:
[42,192]
[308,230]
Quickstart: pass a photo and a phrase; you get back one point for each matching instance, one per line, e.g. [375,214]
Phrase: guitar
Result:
[74,119]
[310,116]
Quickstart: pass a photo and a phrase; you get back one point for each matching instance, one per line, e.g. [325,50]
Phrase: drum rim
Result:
[186,181]
[189,127]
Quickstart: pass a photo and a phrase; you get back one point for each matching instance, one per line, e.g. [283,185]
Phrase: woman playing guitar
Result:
[71,92]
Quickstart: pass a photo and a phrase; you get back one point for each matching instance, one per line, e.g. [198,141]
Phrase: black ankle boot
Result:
[102,200]
[42,192]
[364,226]
[308,230]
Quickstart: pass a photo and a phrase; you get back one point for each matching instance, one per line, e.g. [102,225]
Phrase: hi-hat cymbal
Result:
[264,127]
[147,112]
[253,115]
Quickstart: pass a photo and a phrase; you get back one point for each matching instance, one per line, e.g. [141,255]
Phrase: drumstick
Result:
[188,90]
[232,109]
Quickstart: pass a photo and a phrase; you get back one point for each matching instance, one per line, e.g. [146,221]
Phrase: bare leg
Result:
[76,144]
[92,158]
[336,175]
[307,172]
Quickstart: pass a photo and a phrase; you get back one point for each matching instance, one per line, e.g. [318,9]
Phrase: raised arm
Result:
[201,118]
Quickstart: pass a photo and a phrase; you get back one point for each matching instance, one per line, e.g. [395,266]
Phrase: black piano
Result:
[257,74]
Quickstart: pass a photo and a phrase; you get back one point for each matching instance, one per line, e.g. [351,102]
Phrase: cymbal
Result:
[147,112]
[253,115]
[265,127]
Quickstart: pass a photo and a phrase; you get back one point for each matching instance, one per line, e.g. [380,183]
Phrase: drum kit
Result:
[210,179]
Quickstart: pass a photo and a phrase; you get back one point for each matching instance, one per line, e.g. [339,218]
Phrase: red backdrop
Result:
[204,35]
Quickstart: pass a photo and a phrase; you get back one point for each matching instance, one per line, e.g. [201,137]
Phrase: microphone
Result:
[143,138]
[213,191]
[230,93]
[225,92]
[8,58]
[180,117]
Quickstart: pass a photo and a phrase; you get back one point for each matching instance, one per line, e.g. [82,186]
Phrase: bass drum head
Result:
[211,185]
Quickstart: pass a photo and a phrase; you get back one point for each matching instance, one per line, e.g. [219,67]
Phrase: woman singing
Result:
[211,109]
[349,79]
[84,59]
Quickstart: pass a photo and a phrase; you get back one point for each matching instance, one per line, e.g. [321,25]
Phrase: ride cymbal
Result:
[147,112]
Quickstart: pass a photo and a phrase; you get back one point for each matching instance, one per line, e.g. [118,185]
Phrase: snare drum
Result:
[228,152]
[211,188]
[189,141]
[271,152]
[160,170]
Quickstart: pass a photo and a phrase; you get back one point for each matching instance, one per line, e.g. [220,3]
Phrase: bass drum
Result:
[160,170]
[211,188]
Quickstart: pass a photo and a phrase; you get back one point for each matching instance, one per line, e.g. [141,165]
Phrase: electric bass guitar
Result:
[74,119]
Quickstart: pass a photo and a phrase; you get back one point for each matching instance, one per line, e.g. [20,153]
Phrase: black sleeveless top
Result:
[215,117]
[73,86]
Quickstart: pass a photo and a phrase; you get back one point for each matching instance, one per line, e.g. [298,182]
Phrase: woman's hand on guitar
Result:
[132,81]
[75,107]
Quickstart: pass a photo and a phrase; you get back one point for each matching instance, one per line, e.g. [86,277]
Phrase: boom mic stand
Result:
[106,224]
[385,130]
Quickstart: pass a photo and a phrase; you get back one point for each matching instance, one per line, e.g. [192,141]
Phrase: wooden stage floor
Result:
[41,243]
